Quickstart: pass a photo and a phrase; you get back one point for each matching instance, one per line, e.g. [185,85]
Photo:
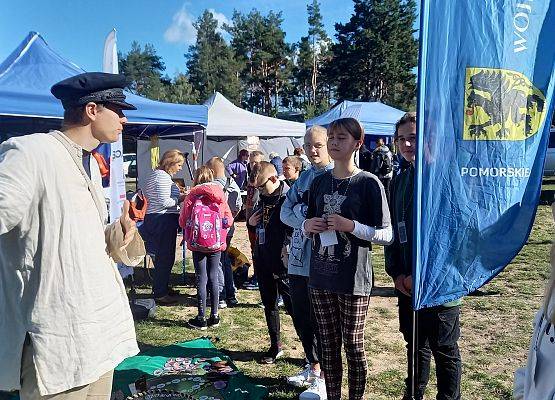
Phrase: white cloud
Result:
[181,29]
[222,19]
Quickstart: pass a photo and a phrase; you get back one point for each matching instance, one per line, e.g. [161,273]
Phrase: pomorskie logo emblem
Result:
[501,105]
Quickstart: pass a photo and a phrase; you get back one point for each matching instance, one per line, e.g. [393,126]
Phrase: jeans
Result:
[220,281]
[207,264]
[303,317]
[437,334]
[159,231]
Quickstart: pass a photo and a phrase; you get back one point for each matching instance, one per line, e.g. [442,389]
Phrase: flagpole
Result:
[422,54]
[414,352]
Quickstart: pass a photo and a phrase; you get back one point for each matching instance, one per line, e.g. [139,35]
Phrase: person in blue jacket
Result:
[293,213]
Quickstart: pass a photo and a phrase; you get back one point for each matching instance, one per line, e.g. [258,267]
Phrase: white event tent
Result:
[230,129]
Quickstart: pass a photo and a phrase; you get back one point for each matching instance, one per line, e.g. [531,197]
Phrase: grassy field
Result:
[496,328]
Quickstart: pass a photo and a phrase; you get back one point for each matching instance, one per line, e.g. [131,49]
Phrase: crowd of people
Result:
[312,220]
[311,228]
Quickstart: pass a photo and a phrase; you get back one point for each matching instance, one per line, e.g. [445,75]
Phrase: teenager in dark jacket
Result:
[437,327]
[269,252]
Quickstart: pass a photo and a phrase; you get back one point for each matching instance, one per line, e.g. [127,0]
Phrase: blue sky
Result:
[77,29]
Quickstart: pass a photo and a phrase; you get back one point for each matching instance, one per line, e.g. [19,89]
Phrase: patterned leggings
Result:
[341,317]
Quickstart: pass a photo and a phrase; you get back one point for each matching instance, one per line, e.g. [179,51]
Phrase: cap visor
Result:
[123,105]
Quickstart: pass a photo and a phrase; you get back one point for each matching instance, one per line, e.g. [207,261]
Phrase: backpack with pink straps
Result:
[203,230]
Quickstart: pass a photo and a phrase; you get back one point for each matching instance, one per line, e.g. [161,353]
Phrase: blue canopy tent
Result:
[26,104]
[378,119]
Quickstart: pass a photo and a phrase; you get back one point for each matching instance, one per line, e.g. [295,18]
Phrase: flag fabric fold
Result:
[486,80]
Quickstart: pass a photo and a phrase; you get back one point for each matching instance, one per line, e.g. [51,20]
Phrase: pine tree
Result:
[143,69]
[376,53]
[211,63]
[313,54]
[303,72]
[259,44]
[319,46]
[181,91]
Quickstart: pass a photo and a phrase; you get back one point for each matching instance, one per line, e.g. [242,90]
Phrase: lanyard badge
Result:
[261,236]
[402,230]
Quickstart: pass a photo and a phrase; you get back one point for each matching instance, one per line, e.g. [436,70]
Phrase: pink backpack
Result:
[203,230]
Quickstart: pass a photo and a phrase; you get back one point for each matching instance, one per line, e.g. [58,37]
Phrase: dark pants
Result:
[303,317]
[207,265]
[159,232]
[228,292]
[437,334]
[270,287]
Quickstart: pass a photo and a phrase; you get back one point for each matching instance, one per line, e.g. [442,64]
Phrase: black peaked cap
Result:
[96,87]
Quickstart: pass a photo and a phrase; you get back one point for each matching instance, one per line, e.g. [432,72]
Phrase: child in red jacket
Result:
[205,218]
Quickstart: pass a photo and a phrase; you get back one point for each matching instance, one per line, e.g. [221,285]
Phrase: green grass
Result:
[495,329]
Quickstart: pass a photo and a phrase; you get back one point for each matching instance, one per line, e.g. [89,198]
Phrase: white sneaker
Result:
[304,378]
[316,391]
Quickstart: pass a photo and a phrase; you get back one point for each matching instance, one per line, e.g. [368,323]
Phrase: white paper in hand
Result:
[328,238]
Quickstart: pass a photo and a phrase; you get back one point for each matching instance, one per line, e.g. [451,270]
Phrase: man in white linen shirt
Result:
[65,321]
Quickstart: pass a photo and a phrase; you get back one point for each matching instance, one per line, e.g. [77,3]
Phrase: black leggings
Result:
[207,264]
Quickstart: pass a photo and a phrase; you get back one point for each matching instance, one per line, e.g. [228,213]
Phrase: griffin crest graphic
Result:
[501,105]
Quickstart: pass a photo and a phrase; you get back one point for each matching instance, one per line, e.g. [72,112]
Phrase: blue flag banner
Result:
[486,80]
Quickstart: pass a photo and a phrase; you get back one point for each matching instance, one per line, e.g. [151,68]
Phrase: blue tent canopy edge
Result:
[378,119]
[27,74]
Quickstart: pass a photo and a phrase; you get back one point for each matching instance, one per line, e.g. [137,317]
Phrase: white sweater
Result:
[537,380]
[57,281]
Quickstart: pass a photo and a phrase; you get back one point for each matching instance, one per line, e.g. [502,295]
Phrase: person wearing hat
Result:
[66,322]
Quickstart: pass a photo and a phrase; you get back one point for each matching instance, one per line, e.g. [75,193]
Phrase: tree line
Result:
[372,58]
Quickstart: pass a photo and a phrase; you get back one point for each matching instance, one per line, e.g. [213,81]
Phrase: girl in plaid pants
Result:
[347,211]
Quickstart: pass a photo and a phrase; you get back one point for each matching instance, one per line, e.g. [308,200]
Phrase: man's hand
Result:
[315,225]
[400,285]
[255,218]
[340,224]
[127,224]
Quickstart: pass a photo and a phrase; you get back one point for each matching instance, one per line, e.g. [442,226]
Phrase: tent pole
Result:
[188,165]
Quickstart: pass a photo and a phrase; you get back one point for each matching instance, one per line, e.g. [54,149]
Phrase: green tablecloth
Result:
[239,387]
